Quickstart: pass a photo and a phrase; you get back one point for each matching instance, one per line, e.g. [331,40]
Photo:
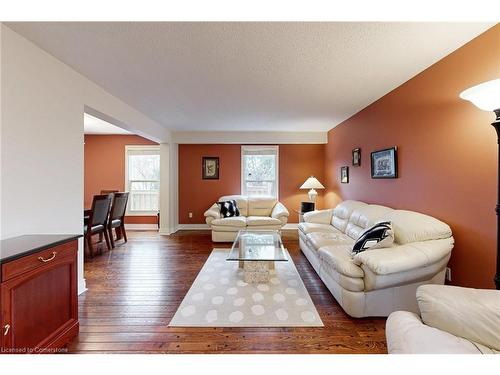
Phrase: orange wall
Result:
[296,164]
[105,167]
[447,155]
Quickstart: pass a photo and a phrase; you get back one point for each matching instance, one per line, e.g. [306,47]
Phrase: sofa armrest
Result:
[212,213]
[407,334]
[473,314]
[319,217]
[280,212]
[400,258]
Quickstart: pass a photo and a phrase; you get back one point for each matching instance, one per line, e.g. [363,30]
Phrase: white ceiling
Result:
[94,125]
[249,76]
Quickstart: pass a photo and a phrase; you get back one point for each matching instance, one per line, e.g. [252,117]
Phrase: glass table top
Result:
[258,245]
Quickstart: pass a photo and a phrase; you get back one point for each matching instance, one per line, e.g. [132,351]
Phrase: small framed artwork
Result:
[385,163]
[344,175]
[356,157]
[210,168]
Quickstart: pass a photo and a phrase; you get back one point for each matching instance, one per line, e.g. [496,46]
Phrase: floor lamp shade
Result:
[312,183]
[486,96]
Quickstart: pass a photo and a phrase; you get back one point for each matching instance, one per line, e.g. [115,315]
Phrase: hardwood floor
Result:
[135,289]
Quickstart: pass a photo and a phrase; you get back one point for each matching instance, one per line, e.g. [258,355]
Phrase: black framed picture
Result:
[210,168]
[385,163]
[356,157]
[344,175]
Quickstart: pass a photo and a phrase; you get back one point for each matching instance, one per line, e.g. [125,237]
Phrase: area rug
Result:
[220,298]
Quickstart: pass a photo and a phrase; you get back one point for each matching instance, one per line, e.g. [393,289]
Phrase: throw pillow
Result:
[228,208]
[379,236]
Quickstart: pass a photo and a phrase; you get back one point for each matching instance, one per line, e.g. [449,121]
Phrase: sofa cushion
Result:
[342,213]
[412,226]
[364,217]
[339,257]
[473,314]
[320,239]
[307,228]
[235,221]
[261,206]
[241,201]
[262,220]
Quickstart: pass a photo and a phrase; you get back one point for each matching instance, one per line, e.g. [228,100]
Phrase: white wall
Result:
[41,141]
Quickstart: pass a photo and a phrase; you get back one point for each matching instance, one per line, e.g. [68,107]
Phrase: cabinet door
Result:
[39,306]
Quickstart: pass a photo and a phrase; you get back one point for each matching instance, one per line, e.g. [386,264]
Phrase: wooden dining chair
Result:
[98,221]
[117,217]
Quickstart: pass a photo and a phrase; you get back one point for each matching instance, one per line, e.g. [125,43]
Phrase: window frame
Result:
[274,149]
[127,181]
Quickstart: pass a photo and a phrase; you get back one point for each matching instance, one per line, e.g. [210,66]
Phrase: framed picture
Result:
[210,168]
[344,175]
[385,163]
[356,157]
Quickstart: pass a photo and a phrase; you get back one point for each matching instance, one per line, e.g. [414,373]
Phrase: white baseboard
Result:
[289,226]
[193,227]
[82,286]
[141,226]
[166,231]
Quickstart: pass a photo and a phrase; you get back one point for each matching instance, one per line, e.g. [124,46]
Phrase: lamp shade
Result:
[312,183]
[485,96]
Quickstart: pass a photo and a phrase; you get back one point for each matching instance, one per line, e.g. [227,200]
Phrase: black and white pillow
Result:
[379,236]
[228,208]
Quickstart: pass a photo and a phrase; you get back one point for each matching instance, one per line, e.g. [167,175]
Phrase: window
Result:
[259,170]
[142,179]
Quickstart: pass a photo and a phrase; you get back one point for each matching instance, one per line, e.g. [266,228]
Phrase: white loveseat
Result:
[259,213]
[375,282]
[452,320]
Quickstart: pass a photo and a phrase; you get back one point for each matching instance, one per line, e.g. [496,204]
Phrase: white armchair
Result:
[453,320]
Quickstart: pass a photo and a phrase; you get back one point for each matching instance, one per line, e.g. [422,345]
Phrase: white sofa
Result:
[452,320]
[259,213]
[375,282]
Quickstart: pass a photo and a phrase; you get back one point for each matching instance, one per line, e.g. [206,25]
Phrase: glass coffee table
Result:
[256,251]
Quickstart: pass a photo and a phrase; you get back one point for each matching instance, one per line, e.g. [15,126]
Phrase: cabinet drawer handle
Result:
[6,327]
[54,253]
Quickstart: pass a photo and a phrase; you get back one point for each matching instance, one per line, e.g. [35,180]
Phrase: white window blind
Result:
[142,179]
[259,171]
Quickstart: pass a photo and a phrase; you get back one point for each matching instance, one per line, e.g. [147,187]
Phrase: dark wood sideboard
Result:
[38,293]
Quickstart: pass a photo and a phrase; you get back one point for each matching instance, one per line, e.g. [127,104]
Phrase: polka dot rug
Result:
[220,298]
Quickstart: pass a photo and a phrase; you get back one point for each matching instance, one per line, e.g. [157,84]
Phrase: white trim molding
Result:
[289,226]
[259,137]
[129,149]
[141,226]
[193,227]
[261,150]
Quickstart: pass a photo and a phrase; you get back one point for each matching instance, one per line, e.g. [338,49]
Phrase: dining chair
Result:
[117,217]
[103,192]
[98,220]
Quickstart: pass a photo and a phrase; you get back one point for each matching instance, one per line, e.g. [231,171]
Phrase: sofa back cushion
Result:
[241,201]
[261,206]
[342,213]
[410,226]
[364,217]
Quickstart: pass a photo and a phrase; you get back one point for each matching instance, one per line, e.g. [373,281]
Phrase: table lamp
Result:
[486,96]
[312,183]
